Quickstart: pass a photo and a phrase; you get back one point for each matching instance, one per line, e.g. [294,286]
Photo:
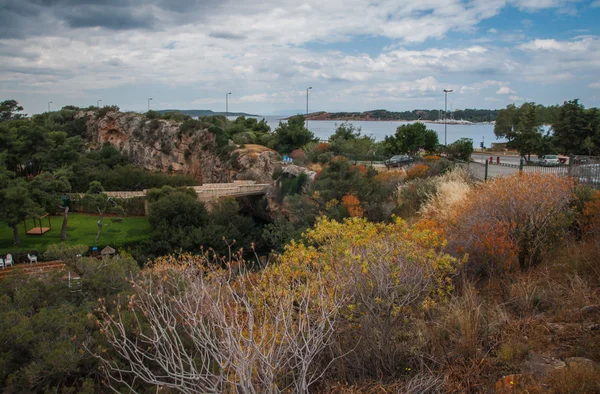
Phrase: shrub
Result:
[461,149]
[322,147]
[418,171]
[298,154]
[106,109]
[582,378]
[414,194]
[431,158]
[64,252]
[520,214]
[453,188]
[352,204]
[389,273]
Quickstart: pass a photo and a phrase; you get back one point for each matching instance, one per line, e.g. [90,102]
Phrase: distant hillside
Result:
[202,112]
[471,115]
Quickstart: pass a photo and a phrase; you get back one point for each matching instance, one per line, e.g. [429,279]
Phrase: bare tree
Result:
[203,330]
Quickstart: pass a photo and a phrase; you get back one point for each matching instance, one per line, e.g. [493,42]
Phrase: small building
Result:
[108,251]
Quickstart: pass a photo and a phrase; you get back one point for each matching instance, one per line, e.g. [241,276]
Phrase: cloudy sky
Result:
[356,54]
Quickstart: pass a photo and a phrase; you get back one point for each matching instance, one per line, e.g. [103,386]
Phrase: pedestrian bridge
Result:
[212,191]
[209,191]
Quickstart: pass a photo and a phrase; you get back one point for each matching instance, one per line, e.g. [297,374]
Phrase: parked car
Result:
[549,160]
[398,161]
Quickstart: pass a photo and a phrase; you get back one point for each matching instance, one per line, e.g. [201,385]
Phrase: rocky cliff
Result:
[159,145]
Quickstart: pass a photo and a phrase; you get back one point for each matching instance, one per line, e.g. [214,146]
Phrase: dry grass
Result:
[454,186]
[255,148]
[577,379]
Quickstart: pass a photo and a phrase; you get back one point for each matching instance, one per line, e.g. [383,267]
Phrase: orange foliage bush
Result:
[362,169]
[323,147]
[518,215]
[417,171]
[352,204]
[590,216]
[298,154]
[431,158]
[391,176]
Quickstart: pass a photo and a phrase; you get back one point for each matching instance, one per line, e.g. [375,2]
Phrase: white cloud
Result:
[595,85]
[580,45]
[515,98]
[505,90]
[267,57]
[596,3]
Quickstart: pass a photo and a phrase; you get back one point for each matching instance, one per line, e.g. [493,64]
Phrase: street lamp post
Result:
[227,105]
[49,102]
[307,106]
[446,91]
[150,99]
[98,103]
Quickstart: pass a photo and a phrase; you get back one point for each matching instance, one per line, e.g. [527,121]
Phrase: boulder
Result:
[590,310]
[255,162]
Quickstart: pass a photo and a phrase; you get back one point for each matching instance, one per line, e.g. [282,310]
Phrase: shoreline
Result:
[452,123]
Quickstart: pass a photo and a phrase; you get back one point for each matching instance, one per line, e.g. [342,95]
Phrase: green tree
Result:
[292,135]
[348,140]
[574,126]
[9,109]
[49,191]
[528,137]
[506,122]
[17,204]
[410,138]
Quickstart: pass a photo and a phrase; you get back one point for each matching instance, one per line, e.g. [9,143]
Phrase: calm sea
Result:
[325,128]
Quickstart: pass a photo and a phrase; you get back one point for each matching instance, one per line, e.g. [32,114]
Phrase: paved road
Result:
[514,160]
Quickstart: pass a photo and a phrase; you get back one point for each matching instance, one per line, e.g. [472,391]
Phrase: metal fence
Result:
[585,169]
[476,169]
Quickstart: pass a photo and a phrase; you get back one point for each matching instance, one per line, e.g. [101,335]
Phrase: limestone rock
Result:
[158,145]
[255,162]
[295,170]
[541,364]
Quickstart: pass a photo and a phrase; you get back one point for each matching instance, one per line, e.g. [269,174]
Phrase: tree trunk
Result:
[63,230]
[16,238]
[99,229]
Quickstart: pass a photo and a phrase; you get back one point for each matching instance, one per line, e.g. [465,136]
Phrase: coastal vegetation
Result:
[345,278]
[574,129]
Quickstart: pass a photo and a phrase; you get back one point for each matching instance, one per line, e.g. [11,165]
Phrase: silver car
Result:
[549,160]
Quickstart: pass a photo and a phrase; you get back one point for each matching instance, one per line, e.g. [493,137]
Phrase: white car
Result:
[549,160]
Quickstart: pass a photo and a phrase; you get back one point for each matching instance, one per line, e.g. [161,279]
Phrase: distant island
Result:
[203,112]
[425,115]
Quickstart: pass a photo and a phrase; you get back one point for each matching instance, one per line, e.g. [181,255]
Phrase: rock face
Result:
[158,145]
[255,162]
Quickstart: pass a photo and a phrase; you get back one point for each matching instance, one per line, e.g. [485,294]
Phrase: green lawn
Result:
[82,229]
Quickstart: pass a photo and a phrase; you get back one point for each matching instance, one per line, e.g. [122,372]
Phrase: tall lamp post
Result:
[49,102]
[98,103]
[227,105]
[446,91]
[307,106]
[150,99]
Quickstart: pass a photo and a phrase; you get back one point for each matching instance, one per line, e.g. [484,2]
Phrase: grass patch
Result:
[82,229]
